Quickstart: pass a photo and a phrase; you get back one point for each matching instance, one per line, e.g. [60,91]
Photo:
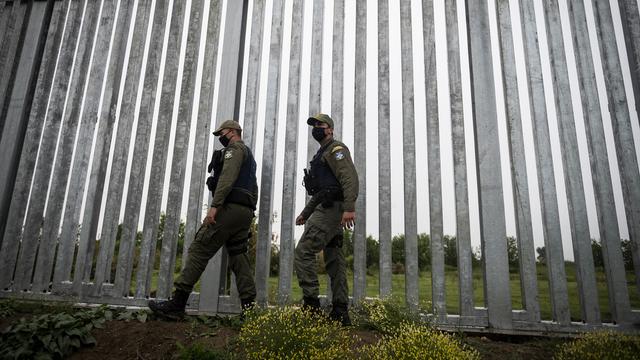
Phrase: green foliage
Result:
[512,252]
[414,341]
[601,345]
[52,336]
[286,333]
[139,315]
[627,255]
[7,308]
[542,255]
[372,248]
[383,315]
[450,250]
[198,351]
[424,252]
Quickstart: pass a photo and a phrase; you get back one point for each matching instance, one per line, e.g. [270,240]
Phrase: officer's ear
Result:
[330,132]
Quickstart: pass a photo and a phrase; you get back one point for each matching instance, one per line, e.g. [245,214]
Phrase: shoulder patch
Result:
[336,148]
[228,154]
[339,155]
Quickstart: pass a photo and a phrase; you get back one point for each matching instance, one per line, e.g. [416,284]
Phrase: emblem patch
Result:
[339,155]
[228,155]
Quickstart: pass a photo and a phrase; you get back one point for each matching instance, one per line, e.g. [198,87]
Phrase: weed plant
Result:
[383,315]
[200,352]
[601,345]
[414,341]
[291,333]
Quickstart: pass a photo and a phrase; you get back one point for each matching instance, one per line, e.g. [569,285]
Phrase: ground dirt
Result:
[505,347]
[158,339]
[151,340]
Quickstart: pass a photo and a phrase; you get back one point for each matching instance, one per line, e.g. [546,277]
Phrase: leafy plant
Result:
[52,336]
[289,332]
[138,315]
[414,341]
[7,308]
[601,345]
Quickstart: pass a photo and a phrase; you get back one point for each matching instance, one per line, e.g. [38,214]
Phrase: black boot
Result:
[247,305]
[312,305]
[171,309]
[340,313]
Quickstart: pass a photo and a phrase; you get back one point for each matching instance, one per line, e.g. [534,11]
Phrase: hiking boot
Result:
[247,305]
[340,313]
[312,305]
[171,309]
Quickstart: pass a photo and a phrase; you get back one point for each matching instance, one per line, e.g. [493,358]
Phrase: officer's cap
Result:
[323,118]
[227,124]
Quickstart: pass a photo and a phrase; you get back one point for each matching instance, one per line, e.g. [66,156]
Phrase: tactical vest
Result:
[320,178]
[244,190]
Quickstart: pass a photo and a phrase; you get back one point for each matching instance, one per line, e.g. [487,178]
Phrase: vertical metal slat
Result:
[35,127]
[160,152]
[492,222]
[548,199]
[627,161]
[384,153]
[463,231]
[522,208]
[580,235]
[360,151]
[176,185]
[290,167]
[409,159]
[263,250]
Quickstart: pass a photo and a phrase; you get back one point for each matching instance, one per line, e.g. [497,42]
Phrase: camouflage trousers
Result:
[322,232]
[232,226]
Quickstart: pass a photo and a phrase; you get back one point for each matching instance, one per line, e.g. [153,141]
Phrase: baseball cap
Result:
[227,124]
[324,118]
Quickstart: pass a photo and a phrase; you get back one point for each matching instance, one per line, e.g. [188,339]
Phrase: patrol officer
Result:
[332,182]
[228,221]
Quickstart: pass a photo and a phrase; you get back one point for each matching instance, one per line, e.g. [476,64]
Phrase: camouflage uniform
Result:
[323,231]
[235,198]
[232,226]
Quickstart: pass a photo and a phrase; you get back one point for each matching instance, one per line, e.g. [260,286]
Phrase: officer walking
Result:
[228,221]
[332,183]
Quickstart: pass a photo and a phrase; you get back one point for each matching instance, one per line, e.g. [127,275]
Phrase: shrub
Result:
[288,333]
[414,341]
[383,315]
[601,345]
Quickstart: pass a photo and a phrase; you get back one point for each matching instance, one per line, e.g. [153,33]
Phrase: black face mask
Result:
[318,134]
[223,140]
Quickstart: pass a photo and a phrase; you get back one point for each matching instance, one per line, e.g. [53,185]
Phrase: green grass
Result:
[452,293]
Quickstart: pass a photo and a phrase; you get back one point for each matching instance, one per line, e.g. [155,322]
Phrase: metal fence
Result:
[107,106]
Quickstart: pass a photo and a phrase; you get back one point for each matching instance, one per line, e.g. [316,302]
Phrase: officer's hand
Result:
[300,220]
[348,219]
[211,216]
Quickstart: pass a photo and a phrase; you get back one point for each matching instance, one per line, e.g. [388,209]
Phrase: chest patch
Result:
[339,155]
[228,155]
